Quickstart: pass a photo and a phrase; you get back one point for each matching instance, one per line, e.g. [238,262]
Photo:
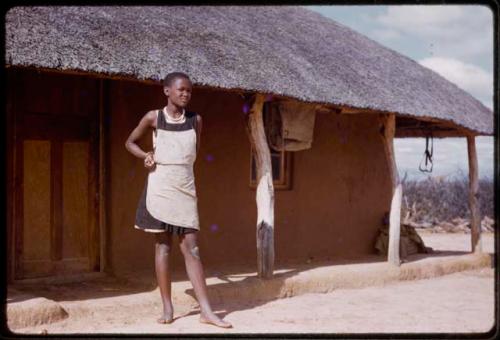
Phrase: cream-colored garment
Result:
[171,193]
[175,147]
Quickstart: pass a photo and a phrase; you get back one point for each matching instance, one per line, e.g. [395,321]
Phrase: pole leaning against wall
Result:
[475,220]
[265,189]
[387,130]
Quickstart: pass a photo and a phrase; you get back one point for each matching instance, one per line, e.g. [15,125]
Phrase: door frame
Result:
[96,173]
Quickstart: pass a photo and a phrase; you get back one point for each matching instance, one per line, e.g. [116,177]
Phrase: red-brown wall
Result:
[340,187]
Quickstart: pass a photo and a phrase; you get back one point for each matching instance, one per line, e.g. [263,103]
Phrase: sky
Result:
[454,41]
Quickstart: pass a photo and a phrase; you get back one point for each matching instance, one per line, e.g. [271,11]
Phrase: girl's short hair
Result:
[171,77]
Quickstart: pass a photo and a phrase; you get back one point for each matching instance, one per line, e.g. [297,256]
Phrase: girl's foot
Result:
[165,320]
[168,316]
[214,320]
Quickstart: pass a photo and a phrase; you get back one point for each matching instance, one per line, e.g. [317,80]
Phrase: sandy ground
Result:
[461,302]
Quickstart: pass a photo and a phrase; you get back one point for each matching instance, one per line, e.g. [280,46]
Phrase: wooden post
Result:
[475,220]
[102,178]
[11,185]
[265,189]
[388,129]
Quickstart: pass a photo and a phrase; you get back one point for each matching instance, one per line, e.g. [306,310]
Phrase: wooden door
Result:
[56,166]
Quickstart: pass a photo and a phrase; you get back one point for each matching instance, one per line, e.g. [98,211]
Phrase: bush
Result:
[443,199]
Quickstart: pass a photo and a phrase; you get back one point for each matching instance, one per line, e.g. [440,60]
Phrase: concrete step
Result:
[103,297]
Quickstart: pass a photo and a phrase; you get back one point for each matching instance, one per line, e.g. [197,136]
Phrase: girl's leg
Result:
[163,248]
[194,269]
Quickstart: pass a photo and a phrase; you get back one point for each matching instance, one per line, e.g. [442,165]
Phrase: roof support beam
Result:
[265,189]
[387,130]
[412,133]
[473,195]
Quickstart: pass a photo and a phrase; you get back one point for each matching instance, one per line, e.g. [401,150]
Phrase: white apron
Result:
[171,192]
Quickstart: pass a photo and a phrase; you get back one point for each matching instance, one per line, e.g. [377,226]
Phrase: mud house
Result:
[317,105]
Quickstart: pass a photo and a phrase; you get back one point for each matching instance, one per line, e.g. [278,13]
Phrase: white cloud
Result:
[469,77]
[442,21]
[422,17]
[386,34]
[461,31]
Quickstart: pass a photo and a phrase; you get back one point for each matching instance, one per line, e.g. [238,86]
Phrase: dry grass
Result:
[444,199]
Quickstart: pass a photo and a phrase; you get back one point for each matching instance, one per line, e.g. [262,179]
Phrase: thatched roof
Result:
[284,50]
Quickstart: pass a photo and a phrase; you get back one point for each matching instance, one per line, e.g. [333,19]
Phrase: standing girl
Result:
[168,204]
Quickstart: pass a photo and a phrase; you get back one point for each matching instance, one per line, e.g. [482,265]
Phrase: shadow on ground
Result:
[142,282]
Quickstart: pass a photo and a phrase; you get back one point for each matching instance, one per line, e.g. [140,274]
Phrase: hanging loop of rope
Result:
[427,155]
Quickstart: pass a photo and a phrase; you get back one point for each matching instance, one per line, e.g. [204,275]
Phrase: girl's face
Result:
[179,92]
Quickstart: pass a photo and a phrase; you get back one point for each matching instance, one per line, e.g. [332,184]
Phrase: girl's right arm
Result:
[147,122]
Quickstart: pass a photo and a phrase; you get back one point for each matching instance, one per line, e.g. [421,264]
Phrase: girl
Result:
[168,204]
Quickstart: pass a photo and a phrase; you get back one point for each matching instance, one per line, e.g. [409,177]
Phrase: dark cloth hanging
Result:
[291,125]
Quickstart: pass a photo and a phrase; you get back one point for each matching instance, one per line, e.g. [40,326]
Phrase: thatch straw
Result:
[284,50]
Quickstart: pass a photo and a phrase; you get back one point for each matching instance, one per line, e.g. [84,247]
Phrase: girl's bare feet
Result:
[168,316]
[164,319]
[211,318]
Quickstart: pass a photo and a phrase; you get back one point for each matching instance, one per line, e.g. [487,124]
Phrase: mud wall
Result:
[339,193]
